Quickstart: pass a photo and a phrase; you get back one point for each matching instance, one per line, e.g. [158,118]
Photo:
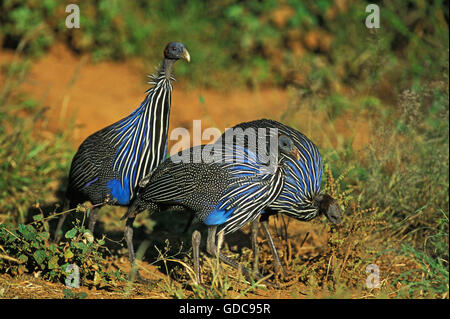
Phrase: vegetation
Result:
[272,42]
[37,254]
[394,188]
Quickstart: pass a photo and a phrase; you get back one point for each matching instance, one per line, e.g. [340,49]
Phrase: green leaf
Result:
[52,247]
[40,256]
[35,244]
[37,217]
[53,262]
[68,293]
[23,259]
[45,235]
[28,232]
[235,11]
[68,254]
[82,246]
[71,233]
[82,295]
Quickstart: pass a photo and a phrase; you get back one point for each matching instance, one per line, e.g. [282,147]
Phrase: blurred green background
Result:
[245,42]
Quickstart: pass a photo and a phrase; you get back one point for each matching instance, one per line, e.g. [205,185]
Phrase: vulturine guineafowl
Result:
[110,163]
[300,196]
[225,185]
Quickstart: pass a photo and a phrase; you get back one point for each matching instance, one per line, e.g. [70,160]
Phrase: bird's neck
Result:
[167,67]
[157,105]
[141,137]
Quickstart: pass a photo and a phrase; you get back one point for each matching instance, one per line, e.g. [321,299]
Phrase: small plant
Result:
[430,276]
[30,251]
[70,294]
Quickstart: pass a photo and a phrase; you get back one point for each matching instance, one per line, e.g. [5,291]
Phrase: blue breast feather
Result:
[119,193]
[219,216]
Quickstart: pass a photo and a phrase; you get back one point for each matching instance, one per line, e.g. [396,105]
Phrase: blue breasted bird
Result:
[300,196]
[225,185]
[110,163]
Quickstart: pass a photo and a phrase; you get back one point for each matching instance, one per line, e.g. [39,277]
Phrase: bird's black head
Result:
[175,51]
[287,146]
[329,206]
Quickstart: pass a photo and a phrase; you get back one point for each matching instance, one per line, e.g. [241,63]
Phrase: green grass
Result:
[30,159]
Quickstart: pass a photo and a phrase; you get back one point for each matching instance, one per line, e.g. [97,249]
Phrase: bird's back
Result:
[220,192]
[196,186]
[89,168]
[302,177]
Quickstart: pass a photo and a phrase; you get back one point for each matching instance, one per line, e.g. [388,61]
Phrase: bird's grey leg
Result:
[196,239]
[211,241]
[128,234]
[93,219]
[277,262]
[254,235]
[220,239]
[61,220]
[213,250]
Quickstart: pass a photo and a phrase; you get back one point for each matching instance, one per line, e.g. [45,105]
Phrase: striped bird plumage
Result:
[226,186]
[233,192]
[110,163]
[229,189]
[300,196]
[302,175]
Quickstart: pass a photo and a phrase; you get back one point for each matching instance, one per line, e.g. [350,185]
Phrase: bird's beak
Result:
[296,153]
[186,55]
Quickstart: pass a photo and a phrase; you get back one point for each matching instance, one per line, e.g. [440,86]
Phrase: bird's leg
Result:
[196,239]
[93,219]
[128,234]
[254,235]
[220,239]
[213,250]
[277,262]
[61,220]
[211,241]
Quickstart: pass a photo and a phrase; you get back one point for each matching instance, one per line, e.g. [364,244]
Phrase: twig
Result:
[9,258]
[64,212]
[304,239]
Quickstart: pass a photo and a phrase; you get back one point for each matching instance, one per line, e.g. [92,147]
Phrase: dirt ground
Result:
[97,94]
